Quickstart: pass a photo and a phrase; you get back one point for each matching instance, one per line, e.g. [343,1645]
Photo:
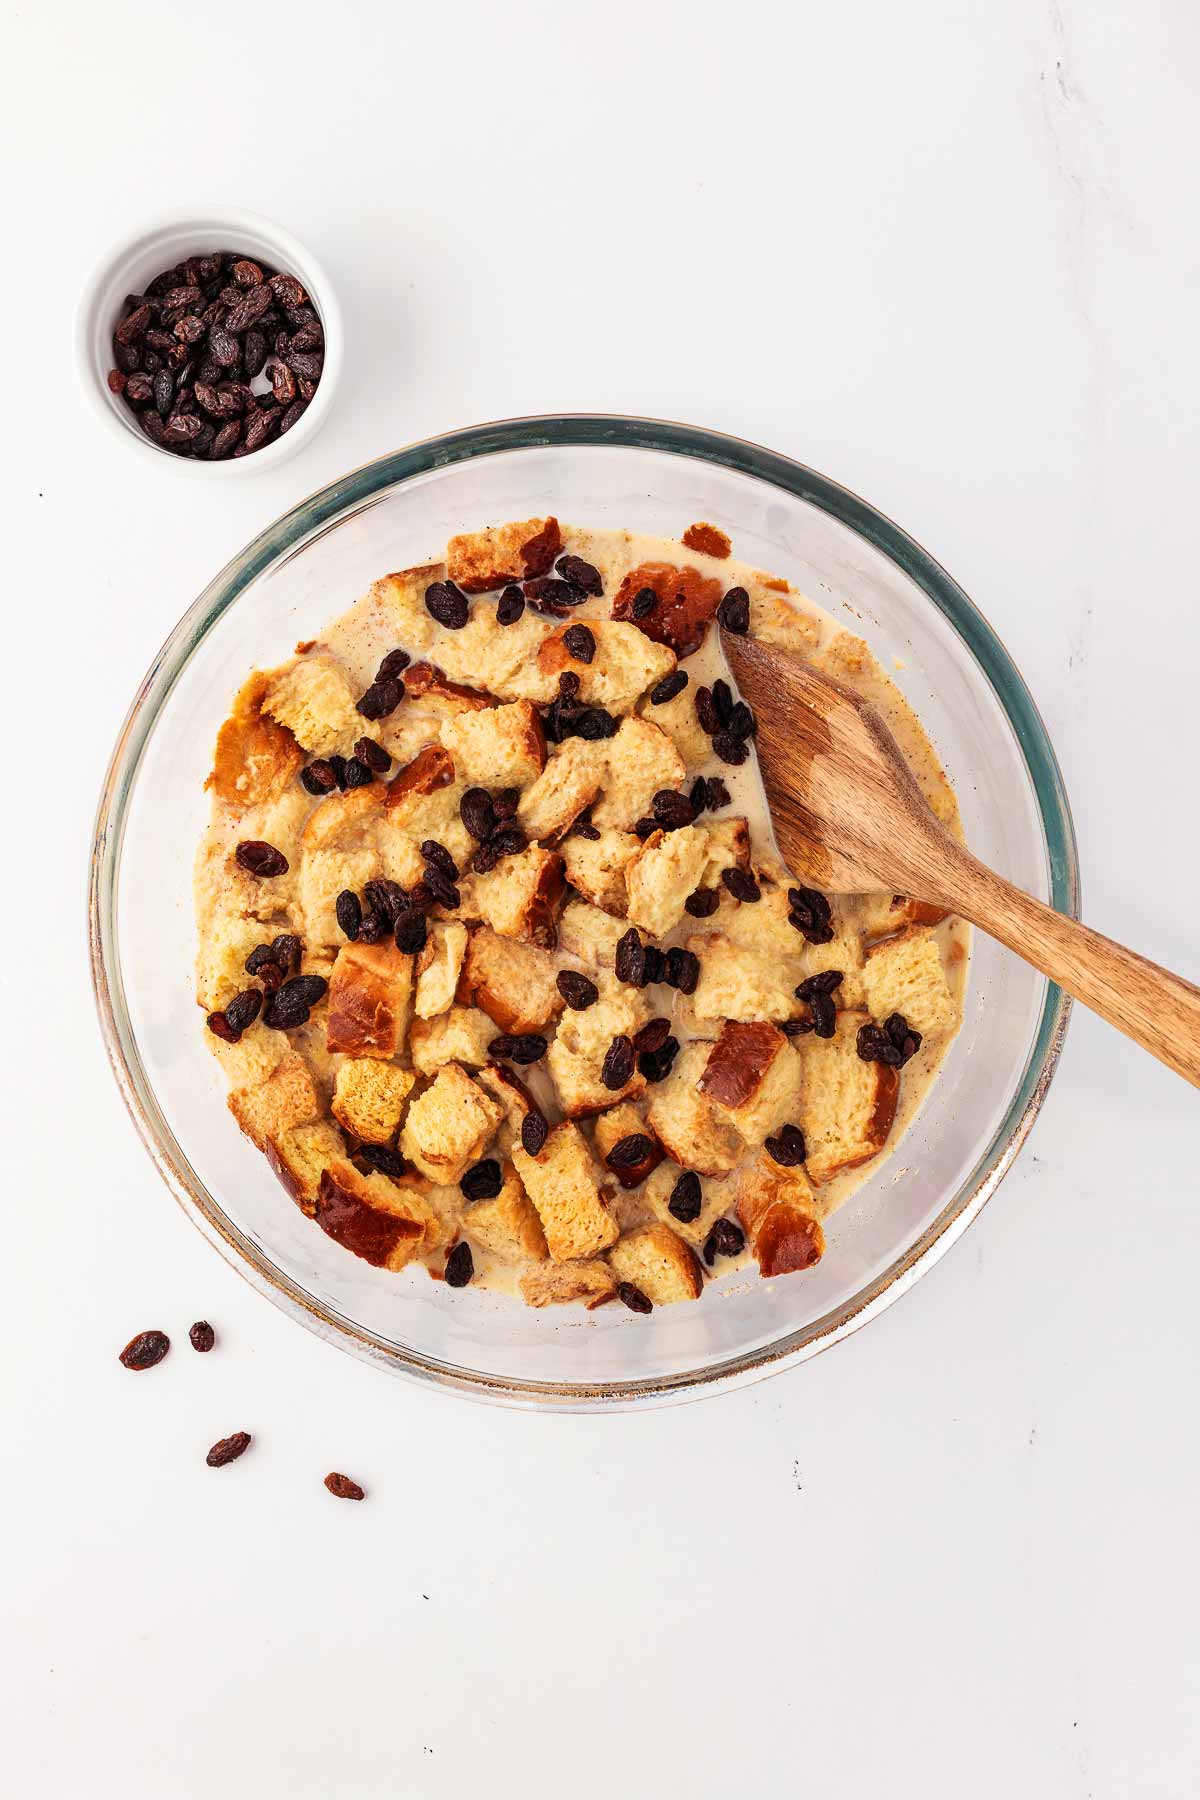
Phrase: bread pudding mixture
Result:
[496,949]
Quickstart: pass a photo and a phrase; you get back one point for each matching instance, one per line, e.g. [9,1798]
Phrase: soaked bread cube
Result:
[519,898]
[624,665]
[611,1127]
[777,1209]
[462,1035]
[641,760]
[370,995]
[684,1121]
[666,869]
[255,756]
[575,1059]
[848,1105]
[499,748]
[589,935]
[566,787]
[449,1126]
[563,1182]
[439,969]
[656,1260]
[508,1225]
[384,1222]
[557,1284]
[905,975]
[369,1097]
[271,1108]
[313,699]
[752,1080]
[737,982]
[596,867]
[514,983]
[479,560]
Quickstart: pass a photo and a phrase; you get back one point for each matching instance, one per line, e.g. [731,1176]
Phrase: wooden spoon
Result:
[850,819]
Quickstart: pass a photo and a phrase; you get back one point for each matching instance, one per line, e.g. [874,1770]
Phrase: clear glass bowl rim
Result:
[361,485]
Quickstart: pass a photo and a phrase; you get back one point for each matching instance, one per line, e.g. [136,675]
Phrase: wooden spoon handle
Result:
[1158,1010]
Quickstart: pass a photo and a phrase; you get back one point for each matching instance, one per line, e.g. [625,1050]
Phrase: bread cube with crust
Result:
[399,601]
[717,1198]
[677,717]
[508,1226]
[752,1080]
[737,982]
[313,700]
[344,821]
[499,658]
[685,1123]
[428,689]
[883,915]
[513,983]
[515,1100]
[576,1057]
[685,601]
[612,1127]
[666,869]
[566,787]
[777,1209]
[557,1284]
[270,1109]
[423,799]
[300,1157]
[728,848]
[843,952]
[501,747]
[520,897]
[439,969]
[449,1126]
[624,664]
[324,874]
[462,1035]
[370,996]
[255,757]
[385,1222]
[656,1260]
[369,1097]
[848,1106]
[563,1182]
[480,560]
[256,1055]
[590,935]
[225,941]
[774,619]
[905,975]
[596,867]
[641,760]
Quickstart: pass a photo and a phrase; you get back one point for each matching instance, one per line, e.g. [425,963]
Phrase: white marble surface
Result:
[946,253]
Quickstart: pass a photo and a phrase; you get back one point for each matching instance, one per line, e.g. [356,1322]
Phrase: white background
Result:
[947,254]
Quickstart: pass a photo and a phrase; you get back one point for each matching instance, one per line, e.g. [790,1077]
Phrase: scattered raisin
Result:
[384,1160]
[387,898]
[633,1298]
[342,1488]
[725,1239]
[202,1336]
[646,828]
[393,665]
[706,712]
[787,1147]
[261,859]
[732,750]
[553,596]
[686,1198]
[585,829]
[718,793]
[507,840]
[506,802]
[741,721]
[578,992]
[411,932]
[460,1265]
[376,758]
[796,1027]
[243,1009]
[630,959]
[286,951]
[580,643]
[220,1027]
[146,1349]
[734,611]
[439,857]
[672,810]
[656,1065]
[319,778]
[809,913]
[521,1047]
[742,885]
[382,698]
[477,814]
[357,774]
[668,687]
[581,574]
[824,982]
[655,964]
[227,1450]
[534,1132]
[348,911]
[644,603]
[594,723]
[617,1069]
[510,605]
[447,605]
[629,1151]
[823,1013]
[271,977]
[683,970]
[703,903]
[483,1180]
[440,887]
[653,1035]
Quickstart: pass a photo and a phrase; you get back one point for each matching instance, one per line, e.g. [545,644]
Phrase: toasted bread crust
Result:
[425,678]
[738,1063]
[687,601]
[656,1260]
[255,757]
[707,540]
[369,995]
[387,1240]
[777,1210]
[432,768]
[481,560]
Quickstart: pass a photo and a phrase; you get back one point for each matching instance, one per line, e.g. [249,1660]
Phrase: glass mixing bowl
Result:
[398,512]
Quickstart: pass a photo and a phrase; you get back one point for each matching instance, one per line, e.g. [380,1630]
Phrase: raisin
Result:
[485,859]
[734,611]
[581,574]
[823,983]
[441,888]
[656,1065]
[520,1047]
[507,840]
[249,310]
[732,750]
[254,353]
[703,903]
[306,364]
[653,1035]
[286,951]
[338,765]
[292,415]
[393,664]
[342,1488]
[742,885]
[271,977]
[381,698]
[243,1009]
[164,389]
[506,802]
[259,958]
[672,810]
[226,440]
[510,605]
[580,643]
[373,929]
[644,603]
[630,960]
[116,381]
[552,596]
[146,1349]
[307,337]
[795,1027]
[348,911]
[138,389]
[809,913]
[202,1336]
[483,1181]
[373,755]
[718,793]
[438,857]
[633,1298]
[706,712]
[686,1198]
[220,1027]
[594,724]
[585,829]
[411,932]
[787,1147]
[261,859]
[725,1239]
[286,1010]
[616,1071]
[534,1132]
[629,1151]
[387,898]
[645,828]
[447,605]
[668,687]
[460,1265]
[741,721]
[683,970]
[875,1045]
[578,992]
[283,382]
[134,324]
[227,1450]
[384,1160]
[656,964]
[246,273]
[357,774]
[477,814]
[902,1035]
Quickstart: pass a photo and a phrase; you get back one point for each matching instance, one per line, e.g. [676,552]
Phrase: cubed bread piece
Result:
[612,1128]
[449,1126]
[515,1100]
[778,1212]
[848,1105]
[313,699]
[519,898]
[423,801]
[344,821]
[752,1080]
[500,658]
[590,935]
[369,1097]
[255,756]
[905,975]
[716,1199]
[656,1260]
[684,1122]
[383,1221]
[429,688]
[324,874]
[300,1158]
[439,968]
[480,560]
[846,654]
[624,664]
[399,601]
[728,848]
[596,867]
[761,925]
[666,869]
[566,787]
[641,760]
[514,983]
[843,952]
[739,983]
[370,994]
[707,540]
[256,1055]
[271,1108]
[563,1183]
[883,915]
[677,717]
[499,748]
[777,620]
[557,1284]
[576,1057]
[461,1035]
[508,1226]
[225,941]
[685,603]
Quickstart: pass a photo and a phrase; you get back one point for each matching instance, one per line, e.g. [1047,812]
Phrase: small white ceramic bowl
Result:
[158,245]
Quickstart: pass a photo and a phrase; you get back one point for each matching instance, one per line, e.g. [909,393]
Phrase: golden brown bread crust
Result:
[369,993]
[687,601]
[430,769]
[739,1061]
[512,982]
[480,560]
[776,1208]
[344,1212]
[519,898]
[425,678]
[621,1122]
[557,1284]
[255,758]
[658,1261]
[707,540]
